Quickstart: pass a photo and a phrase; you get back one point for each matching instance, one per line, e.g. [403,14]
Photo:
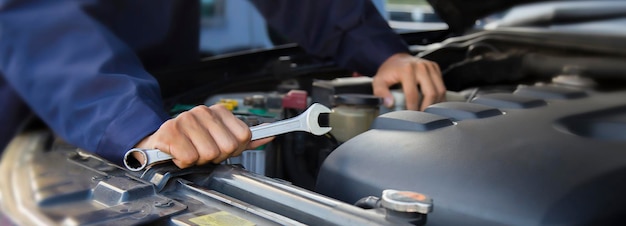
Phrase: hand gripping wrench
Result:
[307,121]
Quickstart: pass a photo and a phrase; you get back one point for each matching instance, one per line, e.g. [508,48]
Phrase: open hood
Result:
[461,14]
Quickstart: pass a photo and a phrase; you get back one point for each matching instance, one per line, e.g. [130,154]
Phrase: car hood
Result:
[462,14]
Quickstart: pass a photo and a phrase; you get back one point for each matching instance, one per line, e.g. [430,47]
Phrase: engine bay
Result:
[532,132]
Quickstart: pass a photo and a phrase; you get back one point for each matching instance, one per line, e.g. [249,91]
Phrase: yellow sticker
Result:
[230,104]
[220,219]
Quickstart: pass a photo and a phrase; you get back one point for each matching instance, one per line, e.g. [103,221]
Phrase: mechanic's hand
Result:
[202,135]
[411,72]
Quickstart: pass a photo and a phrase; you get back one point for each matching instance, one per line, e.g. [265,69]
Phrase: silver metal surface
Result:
[406,201]
[150,156]
[307,122]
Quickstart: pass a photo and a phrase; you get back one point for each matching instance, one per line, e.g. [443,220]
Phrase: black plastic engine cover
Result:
[540,156]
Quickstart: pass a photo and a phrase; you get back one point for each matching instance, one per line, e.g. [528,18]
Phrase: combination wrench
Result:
[307,122]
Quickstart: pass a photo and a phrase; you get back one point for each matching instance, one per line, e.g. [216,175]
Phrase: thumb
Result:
[388,101]
[382,90]
[257,143]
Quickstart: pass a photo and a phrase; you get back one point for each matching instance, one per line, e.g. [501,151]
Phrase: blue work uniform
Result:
[81,66]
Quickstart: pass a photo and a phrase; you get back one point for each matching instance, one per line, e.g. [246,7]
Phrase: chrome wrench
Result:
[307,122]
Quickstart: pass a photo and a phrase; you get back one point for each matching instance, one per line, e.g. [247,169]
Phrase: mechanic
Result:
[81,66]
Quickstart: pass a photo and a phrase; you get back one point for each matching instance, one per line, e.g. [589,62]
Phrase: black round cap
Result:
[358,99]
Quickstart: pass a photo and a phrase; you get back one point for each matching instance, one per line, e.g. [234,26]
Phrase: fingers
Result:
[409,88]
[393,71]
[196,145]
[427,85]
[199,136]
[172,140]
[411,72]
[257,143]
[435,73]
[381,89]
[231,134]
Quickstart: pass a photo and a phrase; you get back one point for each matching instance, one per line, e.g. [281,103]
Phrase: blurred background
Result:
[235,25]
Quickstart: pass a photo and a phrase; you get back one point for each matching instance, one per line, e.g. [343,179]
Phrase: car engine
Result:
[533,132]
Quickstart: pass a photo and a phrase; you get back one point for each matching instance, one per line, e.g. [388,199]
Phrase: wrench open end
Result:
[308,121]
[312,115]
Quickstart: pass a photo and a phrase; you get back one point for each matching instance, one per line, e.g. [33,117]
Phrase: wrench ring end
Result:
[132,163]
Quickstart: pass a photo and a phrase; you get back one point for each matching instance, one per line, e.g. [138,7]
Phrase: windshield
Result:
[412,15]
[235,25]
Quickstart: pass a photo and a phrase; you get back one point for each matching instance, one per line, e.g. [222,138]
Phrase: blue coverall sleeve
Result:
[85,83]
[351,32]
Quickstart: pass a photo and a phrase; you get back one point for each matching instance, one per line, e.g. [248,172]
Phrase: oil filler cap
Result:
[406,201]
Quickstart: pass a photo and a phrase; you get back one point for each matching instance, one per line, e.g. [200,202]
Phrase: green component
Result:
[257,111]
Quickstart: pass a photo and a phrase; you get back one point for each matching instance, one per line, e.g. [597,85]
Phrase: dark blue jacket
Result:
[81,65]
